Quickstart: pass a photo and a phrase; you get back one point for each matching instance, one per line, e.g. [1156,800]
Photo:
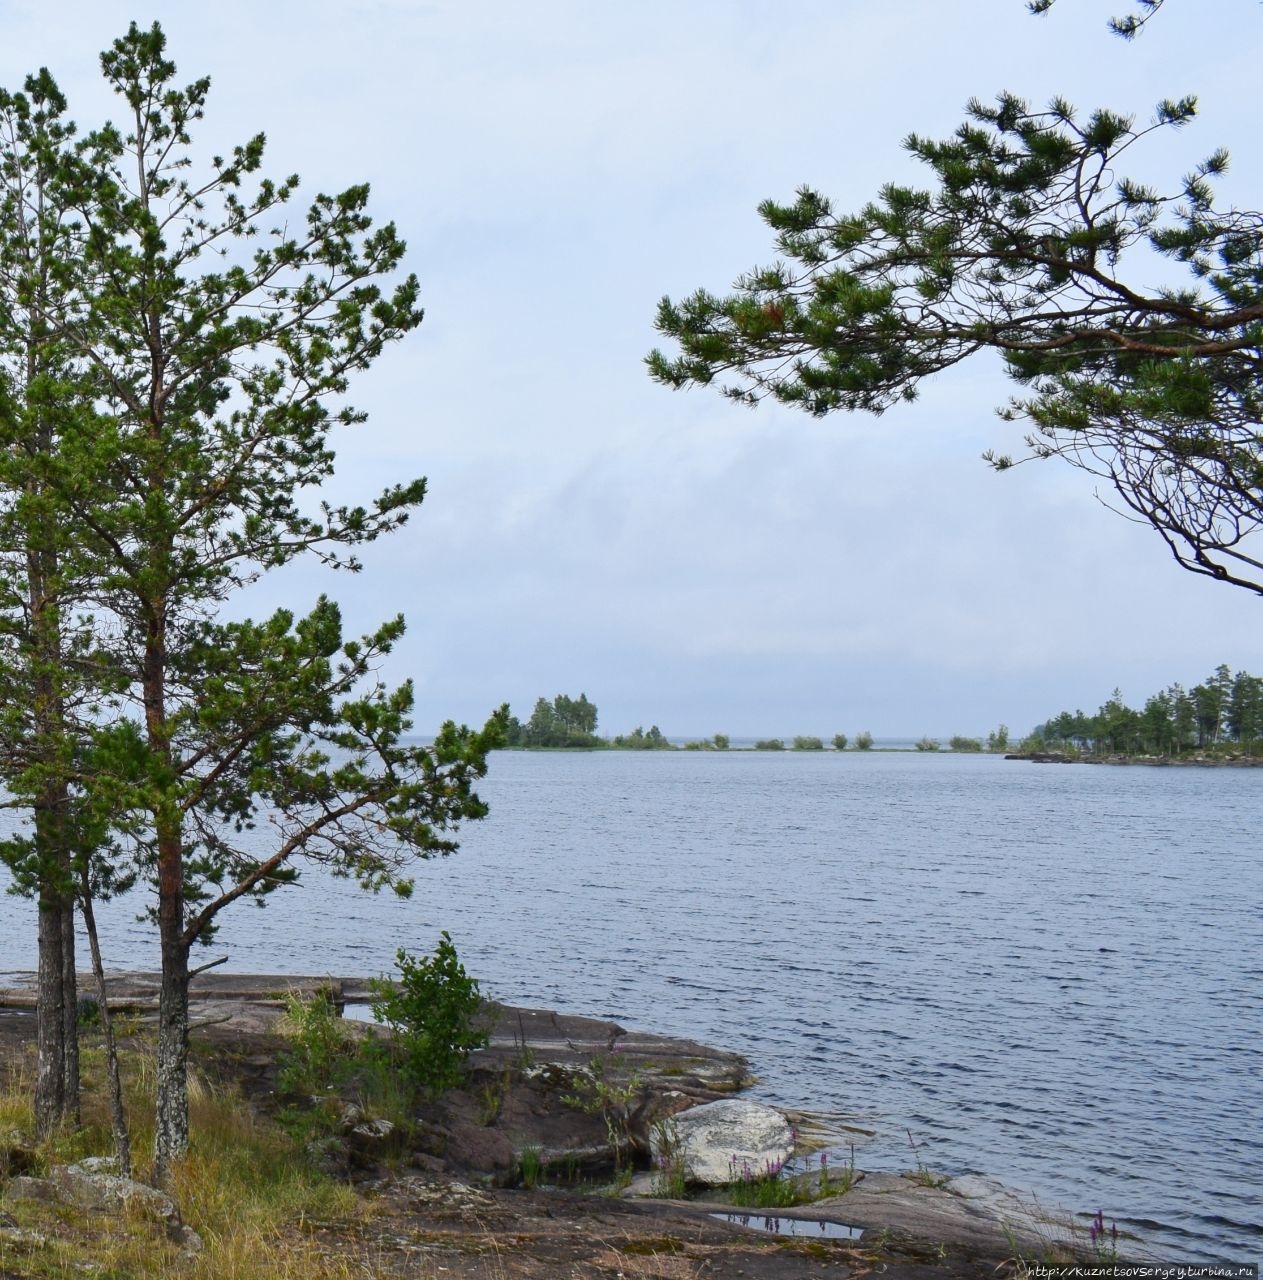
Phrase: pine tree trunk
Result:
[171,1119]
[57,994]
[57,1071]
[50,1026]
[70,1012]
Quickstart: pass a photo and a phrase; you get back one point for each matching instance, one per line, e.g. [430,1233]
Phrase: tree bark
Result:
[50,1025]
[171,1119]
[57,1013]
[57,1000]
[70,1008]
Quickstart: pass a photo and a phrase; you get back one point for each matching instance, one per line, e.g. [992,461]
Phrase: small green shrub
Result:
[769,744]
[927,744]
[808,744]
[531,1166]
[598,1093]
[839,742]
[431,1010]
[321,1046]
[864,741]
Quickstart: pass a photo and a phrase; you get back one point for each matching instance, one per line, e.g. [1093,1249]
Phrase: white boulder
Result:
[722,1142]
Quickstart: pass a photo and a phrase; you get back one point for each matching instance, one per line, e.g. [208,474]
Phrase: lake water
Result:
[1047,974]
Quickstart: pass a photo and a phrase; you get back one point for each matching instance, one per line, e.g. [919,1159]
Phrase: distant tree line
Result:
[564,722]
[571,722]
[1224,711]
[639,740]
[863,742]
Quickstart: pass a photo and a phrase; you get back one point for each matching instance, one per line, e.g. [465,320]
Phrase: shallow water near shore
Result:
[809,1229]
[1046,974]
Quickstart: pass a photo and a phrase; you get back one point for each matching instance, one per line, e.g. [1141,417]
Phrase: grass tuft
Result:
[244,1187]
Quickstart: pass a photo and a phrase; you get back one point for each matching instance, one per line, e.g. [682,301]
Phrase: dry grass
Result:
[244,1188]
[649,1265]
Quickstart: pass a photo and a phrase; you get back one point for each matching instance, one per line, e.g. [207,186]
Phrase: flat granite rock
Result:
[969,1211]
[234,1004]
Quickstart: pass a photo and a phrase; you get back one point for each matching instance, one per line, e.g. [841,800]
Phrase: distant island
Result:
[564,722]
[1218,719]
[1221,718]
[569,724]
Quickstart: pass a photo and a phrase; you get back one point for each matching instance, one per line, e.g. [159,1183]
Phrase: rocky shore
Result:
[577,1147]
[1160,762]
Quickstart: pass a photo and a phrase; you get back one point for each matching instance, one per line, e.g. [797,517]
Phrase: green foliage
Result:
[769,744]
[319,1058]
[721,742]
[1127,25]
[530,1167]
[718,743]
[1030,240]
[58,678]
[599,1091]
[864,741]
[671,1174]
[432,1009]
[957,743]
[639,740]
[927,744]
[837,1184]
[1222,715]
[565,722]
[839,741]
[808,744]
[762,1188]
[208,324]
[998,739]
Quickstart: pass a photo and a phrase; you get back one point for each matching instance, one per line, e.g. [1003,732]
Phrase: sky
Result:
[556,168]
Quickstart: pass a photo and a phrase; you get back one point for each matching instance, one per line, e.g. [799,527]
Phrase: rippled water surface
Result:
[1048,974]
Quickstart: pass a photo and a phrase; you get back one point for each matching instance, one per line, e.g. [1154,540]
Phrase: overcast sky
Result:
[556,168]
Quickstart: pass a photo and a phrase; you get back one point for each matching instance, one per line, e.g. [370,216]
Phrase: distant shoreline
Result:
[1183,762]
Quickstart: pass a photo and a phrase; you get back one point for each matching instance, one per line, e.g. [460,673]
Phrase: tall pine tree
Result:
[218,333]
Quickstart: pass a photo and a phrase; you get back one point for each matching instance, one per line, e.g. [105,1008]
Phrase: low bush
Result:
[319,1058]
[431,1009]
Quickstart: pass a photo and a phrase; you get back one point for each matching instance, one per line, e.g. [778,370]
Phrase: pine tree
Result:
[50,680]
[1029,241]
[219,330]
